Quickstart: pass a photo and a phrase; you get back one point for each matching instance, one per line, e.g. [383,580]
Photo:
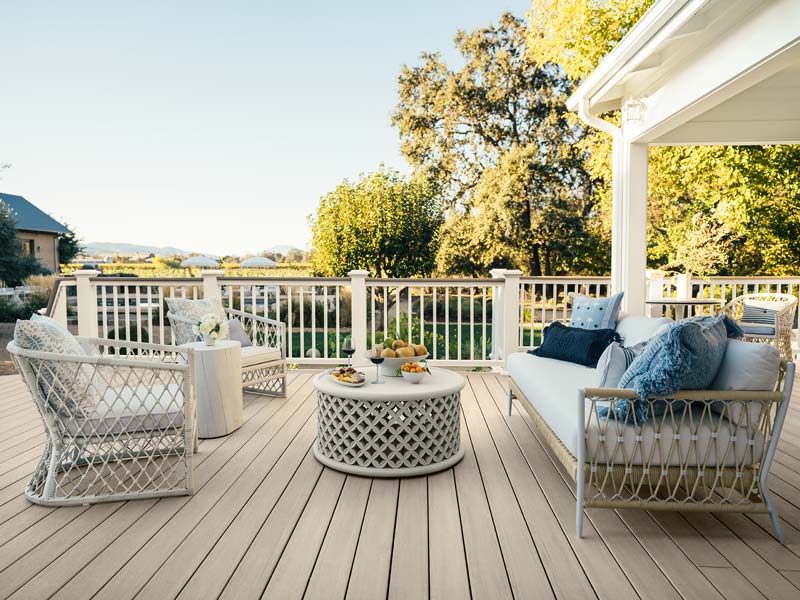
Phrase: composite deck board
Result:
[268,521]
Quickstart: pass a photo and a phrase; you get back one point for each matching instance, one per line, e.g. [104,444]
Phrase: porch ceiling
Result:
[708,71]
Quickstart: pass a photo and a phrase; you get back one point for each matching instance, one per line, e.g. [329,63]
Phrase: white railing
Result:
[460,321]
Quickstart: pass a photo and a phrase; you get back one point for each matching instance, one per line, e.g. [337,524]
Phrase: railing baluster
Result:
[435,317]
[472,323]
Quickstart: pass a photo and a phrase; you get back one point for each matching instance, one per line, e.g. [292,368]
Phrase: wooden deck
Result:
[268,521]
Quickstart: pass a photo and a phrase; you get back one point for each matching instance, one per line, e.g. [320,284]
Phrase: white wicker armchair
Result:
[263,363]
[119,421]
[774,328]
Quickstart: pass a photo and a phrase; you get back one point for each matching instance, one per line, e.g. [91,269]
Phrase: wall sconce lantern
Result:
[633,112]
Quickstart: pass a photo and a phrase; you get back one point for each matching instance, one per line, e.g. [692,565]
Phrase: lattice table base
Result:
[388,438]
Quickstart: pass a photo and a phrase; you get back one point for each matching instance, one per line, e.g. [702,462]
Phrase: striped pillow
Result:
[758,313]
[614,361]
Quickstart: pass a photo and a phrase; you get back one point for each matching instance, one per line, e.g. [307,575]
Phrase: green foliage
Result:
[69,246]
[497,137]
[15,265]
[383,222]
[712,210]
[11,310]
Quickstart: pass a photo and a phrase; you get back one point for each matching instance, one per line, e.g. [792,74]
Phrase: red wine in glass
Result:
[348,349]
[377,359]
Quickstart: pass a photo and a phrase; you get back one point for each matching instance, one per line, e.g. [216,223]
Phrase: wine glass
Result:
[376,358]
[348,349]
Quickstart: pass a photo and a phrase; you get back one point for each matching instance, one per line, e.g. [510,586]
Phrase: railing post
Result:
[358,310]
[211,286]
[505,322]
[87,303]
[655,289]
[60,303]
[684,284]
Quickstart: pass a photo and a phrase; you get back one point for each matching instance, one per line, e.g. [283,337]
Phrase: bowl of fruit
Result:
[397,352]
[413,372]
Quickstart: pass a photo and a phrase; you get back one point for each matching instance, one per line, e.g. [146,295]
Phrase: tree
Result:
[727,210]
[69,246]
[15,265]
[498,139]
[383,222]
[526,214]
[454,124]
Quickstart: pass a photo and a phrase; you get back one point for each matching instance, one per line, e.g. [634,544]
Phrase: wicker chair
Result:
[119,421]
[773,326]
[263,363]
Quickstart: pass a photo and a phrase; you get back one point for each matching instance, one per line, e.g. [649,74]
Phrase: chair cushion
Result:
[635,329]
[759,312]
[196,309]
[575,344]
[253,355]
[551,387]
[65,385]
[131,410]
[595,313]
[754,329]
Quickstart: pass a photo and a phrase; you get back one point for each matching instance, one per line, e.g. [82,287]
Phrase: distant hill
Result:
[111,248]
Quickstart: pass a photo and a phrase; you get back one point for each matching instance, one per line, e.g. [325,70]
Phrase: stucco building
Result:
[38,231]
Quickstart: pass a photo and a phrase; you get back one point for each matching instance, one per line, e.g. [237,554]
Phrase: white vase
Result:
[208,340]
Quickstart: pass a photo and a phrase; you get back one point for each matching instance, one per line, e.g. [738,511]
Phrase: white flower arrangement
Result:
[211,326]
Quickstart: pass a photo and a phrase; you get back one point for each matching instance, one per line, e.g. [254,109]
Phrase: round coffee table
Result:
[397,429]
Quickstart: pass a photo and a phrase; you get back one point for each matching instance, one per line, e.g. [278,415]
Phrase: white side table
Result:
[218,387]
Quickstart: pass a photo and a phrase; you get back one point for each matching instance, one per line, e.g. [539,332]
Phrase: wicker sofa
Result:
[710,451]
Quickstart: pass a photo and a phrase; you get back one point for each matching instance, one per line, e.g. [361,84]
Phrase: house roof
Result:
[31,218]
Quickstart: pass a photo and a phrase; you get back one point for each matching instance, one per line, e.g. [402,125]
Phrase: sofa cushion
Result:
[595,313]
[574,344]
[551,387]
[686,356]
[635,329]
[746,366]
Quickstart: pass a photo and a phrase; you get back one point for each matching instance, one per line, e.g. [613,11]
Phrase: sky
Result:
[209,126]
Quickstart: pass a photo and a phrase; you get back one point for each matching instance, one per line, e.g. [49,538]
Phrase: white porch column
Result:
[358,312]
[629,250]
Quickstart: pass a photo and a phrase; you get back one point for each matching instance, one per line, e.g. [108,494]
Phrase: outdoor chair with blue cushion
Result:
[767,318]
[262,340]
[119,416]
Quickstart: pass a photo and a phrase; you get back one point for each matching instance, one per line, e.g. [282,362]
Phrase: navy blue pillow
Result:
[575,345]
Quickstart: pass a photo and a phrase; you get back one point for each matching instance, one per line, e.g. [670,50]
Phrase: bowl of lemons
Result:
[396,353]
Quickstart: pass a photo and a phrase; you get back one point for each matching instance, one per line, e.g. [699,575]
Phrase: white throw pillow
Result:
[614,361]
[635,329]
[746,366]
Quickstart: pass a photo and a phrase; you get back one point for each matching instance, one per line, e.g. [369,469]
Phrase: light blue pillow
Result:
[686,356]
[595,313]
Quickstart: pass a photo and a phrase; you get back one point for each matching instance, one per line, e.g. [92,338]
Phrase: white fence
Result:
[468,322]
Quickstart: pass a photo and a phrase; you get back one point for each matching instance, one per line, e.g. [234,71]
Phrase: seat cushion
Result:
[253,355]
[551,387]
[756,328]
[131,410]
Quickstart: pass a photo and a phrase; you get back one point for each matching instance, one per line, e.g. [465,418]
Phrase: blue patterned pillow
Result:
[686,356]
[595,313]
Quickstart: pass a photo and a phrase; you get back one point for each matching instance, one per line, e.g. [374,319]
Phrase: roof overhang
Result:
[708,72]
